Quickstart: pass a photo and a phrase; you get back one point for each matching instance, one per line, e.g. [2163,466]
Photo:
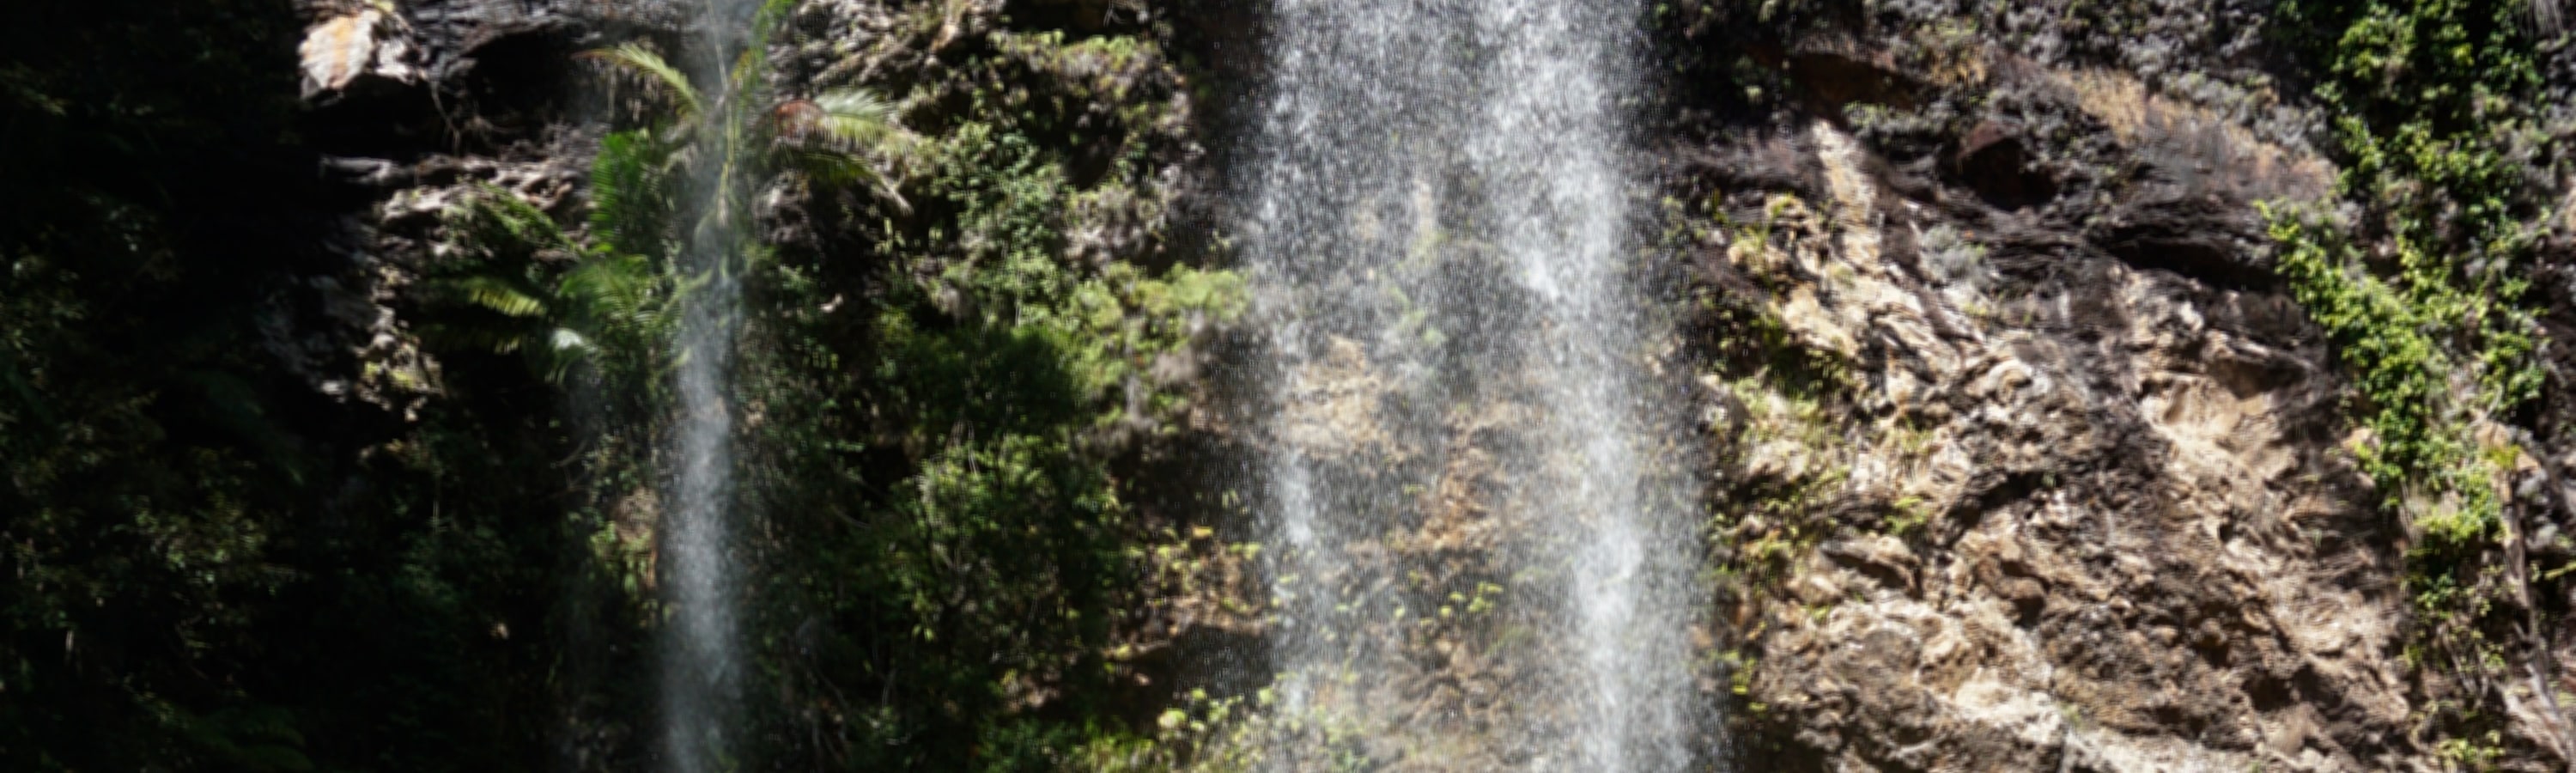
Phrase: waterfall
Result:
[700,659]
[1484,559]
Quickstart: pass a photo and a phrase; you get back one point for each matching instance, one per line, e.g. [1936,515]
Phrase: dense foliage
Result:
[217,559]
[941,547]
[213,562]
[941,427]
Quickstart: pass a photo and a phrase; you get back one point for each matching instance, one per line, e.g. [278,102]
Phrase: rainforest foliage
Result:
[217,560]
[202,569]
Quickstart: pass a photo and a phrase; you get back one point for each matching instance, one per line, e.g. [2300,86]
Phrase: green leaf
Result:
[509,297]
[635,58]
[856,118]
[630,193]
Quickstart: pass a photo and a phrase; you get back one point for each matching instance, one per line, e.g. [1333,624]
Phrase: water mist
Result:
[1458,346]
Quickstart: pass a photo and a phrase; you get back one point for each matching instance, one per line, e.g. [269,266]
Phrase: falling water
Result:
[700,663]
[1483,563]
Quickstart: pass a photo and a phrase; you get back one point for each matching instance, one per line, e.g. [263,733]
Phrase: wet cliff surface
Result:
[2032,436]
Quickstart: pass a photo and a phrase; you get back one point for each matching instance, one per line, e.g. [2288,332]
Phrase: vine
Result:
[2420,283]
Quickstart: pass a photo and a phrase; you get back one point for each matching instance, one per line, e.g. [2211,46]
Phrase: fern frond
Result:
[635,58]
[496,225]
[497,340]
[834,169]
[564,348]
[500,294]
[566,339]
[630,193]
[618,288]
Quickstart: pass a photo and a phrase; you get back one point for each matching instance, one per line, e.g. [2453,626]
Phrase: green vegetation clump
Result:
[2424,298]
[944,454]
[944,408]
[2423,290]
[943,551]
[2420,281]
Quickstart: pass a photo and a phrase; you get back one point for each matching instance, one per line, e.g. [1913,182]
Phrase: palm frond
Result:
[635,58]
[842,170]
[856,118]
[838,136]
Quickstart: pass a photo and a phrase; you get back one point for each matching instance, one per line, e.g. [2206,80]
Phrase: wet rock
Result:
[1841,74]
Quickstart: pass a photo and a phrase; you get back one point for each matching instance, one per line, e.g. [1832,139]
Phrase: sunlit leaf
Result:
[635,58]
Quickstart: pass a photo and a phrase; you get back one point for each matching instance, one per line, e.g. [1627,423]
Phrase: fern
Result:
[609,309]
[494,221]
[508,296]
[630,194]
[620,297]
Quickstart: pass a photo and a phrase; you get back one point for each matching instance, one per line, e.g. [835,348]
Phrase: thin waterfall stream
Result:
[1484,561]
[701,663]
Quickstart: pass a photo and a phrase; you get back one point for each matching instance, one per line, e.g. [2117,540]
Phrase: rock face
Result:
[2024,458]
[415,106]
[339,50]
[2055,509]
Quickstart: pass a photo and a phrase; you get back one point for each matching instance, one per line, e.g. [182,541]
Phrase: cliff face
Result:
[2038,505]
[2024,451]
[2029,455]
